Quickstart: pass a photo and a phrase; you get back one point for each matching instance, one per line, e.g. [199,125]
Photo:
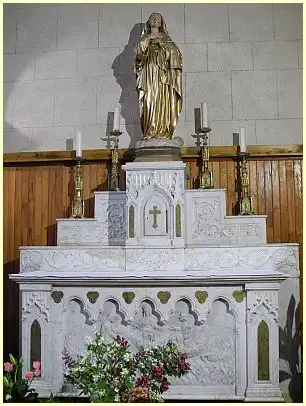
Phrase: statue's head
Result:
[155,20]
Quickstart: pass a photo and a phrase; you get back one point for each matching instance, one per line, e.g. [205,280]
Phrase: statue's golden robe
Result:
[158,67]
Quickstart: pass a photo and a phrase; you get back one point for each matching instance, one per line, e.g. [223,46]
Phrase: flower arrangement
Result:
[15,388]
[111,373]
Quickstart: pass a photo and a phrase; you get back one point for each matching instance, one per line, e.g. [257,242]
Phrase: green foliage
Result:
[110,370]
[15,388]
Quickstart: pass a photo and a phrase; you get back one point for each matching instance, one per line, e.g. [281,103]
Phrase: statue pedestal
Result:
[155,150]
[208,282]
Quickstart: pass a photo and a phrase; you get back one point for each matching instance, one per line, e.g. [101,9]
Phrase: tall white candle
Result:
[116,126]
[204,115]
[78,147]
[242,140]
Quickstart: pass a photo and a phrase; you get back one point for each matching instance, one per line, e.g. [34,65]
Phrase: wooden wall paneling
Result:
[52,205]
[38,206]
[290,200]
[92,186]
[276,202]
[104,176]
[122,179]
[25,219]
[268,199]
[95,183]
[17,210]
[298,199]
[31,205]
[86,187]
[253,184]
[9,183]
[261,187]
[12,241]
[215,168]
[66,191]
[194,173]
[223,178]
[283,200]
[298,185]
[231,190]
[189,174]
[44,204]
[223,174]
[6,197]
[96,175]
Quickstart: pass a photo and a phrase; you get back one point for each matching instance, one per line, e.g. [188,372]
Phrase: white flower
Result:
[127,356]
[124,372]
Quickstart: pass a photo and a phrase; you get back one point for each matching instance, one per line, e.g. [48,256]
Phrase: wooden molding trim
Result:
[255,151]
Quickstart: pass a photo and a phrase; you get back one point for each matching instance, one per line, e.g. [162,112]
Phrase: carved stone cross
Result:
[155,212]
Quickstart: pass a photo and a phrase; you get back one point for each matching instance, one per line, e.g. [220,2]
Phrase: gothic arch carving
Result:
[120,306]
[155,304]
[230,305]
[27,327]
[155,213]
[261,306]
[84,310]
[35,301]
[192,308]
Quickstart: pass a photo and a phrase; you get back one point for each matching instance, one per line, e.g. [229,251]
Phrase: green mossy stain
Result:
[92,296]
[163,296]
[238,295]
[201,296]
[128,297]
[57,296]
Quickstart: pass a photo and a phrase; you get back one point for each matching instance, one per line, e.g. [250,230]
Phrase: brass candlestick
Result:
[206,178]
[115,168]
[78,203]
[245,203]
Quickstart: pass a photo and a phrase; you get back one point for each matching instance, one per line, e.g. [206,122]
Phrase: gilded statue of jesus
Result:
[158,68]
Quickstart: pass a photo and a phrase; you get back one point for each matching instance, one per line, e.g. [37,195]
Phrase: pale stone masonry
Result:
[67,66]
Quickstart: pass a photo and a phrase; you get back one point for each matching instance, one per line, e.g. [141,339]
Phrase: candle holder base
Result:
[246,207]
[206,180]
[78,208]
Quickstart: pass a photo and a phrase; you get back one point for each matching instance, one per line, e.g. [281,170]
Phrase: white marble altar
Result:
[160,262]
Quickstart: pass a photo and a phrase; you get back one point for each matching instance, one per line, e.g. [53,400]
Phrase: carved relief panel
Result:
[210,343]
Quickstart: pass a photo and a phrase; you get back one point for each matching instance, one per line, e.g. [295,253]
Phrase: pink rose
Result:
[29,375]
[36,365]
[8,366]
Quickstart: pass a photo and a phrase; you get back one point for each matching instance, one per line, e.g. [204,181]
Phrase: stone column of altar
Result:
[262,342]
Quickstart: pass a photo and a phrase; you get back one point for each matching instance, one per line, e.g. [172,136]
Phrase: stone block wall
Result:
[66,67]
